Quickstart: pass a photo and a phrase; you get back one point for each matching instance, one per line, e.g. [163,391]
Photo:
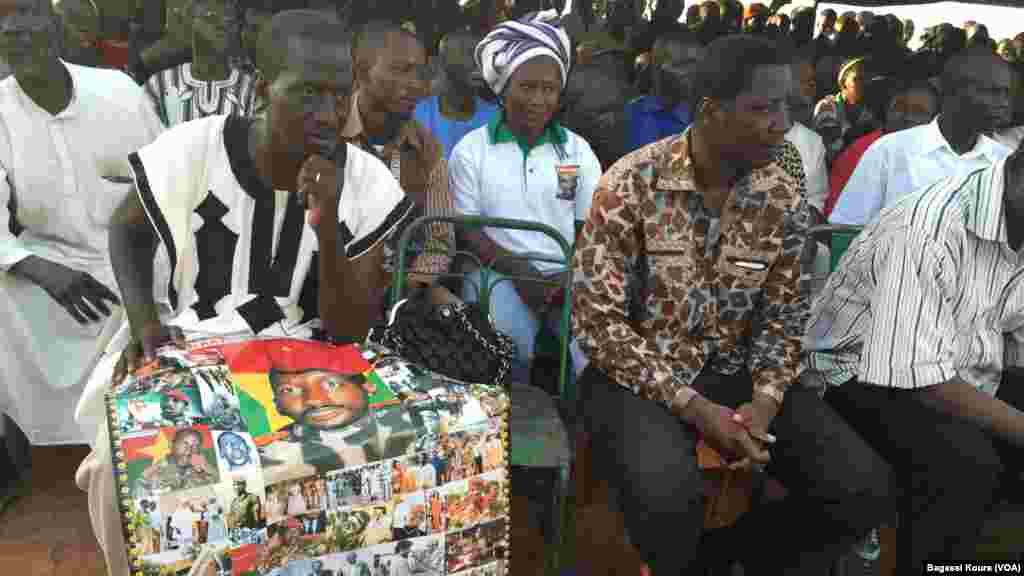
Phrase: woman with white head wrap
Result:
[524,165]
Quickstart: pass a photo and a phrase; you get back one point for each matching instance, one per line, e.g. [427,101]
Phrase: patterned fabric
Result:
[358,455]
[180,97]
[512,43]
[664,286]
[931,290]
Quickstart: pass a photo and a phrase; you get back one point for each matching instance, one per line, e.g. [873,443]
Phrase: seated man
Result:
[62,128]
[524,165]
[689,308]
[241,177]
[911,343]
[390,70]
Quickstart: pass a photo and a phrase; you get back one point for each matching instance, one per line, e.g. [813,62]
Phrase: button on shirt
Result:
[905,162]
[930,291]
[495,175]
[649,121]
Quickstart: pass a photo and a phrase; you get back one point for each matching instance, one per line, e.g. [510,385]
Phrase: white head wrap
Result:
[514,42]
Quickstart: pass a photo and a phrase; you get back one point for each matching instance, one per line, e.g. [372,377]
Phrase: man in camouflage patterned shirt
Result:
[688,304]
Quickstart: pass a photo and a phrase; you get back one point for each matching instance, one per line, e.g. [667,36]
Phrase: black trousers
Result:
[950,471]
[838,487]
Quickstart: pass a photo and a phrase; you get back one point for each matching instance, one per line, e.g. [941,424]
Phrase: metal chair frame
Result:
[488,280]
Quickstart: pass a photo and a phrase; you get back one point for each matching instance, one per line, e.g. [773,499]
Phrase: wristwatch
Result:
[771,392]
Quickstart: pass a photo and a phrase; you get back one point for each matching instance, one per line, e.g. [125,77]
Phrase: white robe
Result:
[51,169]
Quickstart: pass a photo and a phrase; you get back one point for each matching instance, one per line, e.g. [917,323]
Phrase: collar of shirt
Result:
[70,111]
[931,139]
[499,132]
[354,131]
[983,207]
[676,174]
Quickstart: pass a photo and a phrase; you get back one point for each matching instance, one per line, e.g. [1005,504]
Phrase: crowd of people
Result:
[250,171]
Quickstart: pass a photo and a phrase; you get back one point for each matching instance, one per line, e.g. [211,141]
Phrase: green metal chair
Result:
[539,438]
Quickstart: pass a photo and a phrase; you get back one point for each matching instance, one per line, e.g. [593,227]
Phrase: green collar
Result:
[499,132]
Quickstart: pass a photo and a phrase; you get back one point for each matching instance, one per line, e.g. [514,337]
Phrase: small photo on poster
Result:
[244,560]
[437,511]
[356,562]
[220,403]
[475,547]
[285,544]
[295,498]
[369,484]
[493,399]
[487,497]
[361,527]
[409,516]
[191,519]
[463,505]
[408,381]
[217,562]
[169,459]
[236,452]
[475,450]
[418,556]
[245,504]
[411,474]
[173,408]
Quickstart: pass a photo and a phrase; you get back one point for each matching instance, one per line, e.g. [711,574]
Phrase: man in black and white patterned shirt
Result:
[208,85]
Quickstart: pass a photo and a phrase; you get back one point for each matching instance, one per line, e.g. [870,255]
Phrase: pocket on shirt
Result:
[105,201]
[744,269]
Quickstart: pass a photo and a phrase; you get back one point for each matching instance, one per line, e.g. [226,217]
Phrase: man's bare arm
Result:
[132,243]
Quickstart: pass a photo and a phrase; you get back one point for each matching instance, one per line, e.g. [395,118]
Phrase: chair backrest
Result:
[488,279]
[838,238]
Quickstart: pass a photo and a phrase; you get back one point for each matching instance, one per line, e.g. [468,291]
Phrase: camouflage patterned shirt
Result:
[664,286]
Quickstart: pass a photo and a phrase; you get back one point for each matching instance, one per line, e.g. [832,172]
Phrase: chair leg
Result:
[560,503]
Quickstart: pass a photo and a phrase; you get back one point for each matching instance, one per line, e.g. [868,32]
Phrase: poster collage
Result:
[297,458]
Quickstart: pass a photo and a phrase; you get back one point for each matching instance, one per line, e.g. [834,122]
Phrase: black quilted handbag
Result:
[455,340]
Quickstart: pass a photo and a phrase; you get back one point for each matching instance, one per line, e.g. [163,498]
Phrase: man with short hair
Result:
[666,111]
[918,346]
[975,103]
[391,73]
[210,192]
[62,128]
[689,307]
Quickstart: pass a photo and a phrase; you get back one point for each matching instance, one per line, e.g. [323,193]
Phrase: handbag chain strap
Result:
[504,362]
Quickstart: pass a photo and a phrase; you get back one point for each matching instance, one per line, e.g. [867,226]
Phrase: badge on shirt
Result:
[568,181]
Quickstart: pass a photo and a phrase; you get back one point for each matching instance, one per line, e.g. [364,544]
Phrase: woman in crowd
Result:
[843,111]
[525,165]
[905,104]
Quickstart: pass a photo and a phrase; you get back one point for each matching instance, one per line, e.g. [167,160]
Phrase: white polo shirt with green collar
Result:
[494,174]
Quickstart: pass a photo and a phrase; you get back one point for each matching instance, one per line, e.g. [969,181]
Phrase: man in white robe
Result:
[62,129]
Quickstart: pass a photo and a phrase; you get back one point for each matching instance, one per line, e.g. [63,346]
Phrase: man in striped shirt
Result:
[912,337]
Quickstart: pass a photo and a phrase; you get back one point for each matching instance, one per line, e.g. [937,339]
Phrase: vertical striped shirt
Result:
[180,97]
[928,292]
